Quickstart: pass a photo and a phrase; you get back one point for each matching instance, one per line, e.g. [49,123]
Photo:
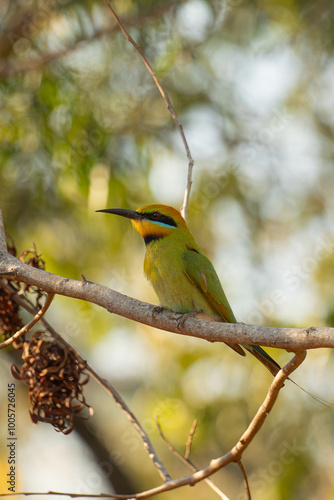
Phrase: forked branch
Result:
[234,455]
[185,459]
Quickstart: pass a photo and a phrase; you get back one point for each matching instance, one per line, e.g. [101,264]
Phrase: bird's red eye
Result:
[155,215]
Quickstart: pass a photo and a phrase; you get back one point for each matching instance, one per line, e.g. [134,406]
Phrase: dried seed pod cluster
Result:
[10,322]
[53,373]
[55,378]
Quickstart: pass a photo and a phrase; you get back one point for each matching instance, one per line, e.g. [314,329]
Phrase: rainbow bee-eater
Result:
[183,278]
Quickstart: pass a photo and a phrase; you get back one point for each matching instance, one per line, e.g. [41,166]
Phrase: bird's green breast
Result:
[164,268]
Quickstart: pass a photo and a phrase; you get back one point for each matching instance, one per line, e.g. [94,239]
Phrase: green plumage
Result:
[185,281]
[182,277]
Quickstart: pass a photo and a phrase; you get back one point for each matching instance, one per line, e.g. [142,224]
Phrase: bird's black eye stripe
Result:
[157,216]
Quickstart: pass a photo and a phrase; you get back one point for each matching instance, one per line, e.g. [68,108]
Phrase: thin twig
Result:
[268,404]
[167,101]
[121,403]
[33,322]
[185,203]
[187,461]
[107,387]
[190,439]
[244,475]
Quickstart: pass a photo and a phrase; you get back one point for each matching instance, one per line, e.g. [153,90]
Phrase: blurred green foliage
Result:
[82,127]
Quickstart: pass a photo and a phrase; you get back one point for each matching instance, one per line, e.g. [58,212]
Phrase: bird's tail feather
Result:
[263,357]
[274,368]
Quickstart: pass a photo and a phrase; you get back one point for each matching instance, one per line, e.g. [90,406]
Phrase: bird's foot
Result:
[182,318]
[157,310]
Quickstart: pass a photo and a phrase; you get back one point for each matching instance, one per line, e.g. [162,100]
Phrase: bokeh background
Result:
[83,127]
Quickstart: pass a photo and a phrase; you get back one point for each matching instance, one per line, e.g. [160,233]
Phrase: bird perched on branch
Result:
[183,278]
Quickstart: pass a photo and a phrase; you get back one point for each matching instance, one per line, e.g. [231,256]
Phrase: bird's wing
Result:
[202,274]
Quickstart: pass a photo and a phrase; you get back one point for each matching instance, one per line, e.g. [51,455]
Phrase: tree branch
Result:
[121,403]
[190,439]
[291,339]
[244,475]
[186,459]
[267,405]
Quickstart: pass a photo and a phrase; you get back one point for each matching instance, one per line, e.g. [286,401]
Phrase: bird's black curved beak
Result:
[129,214]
